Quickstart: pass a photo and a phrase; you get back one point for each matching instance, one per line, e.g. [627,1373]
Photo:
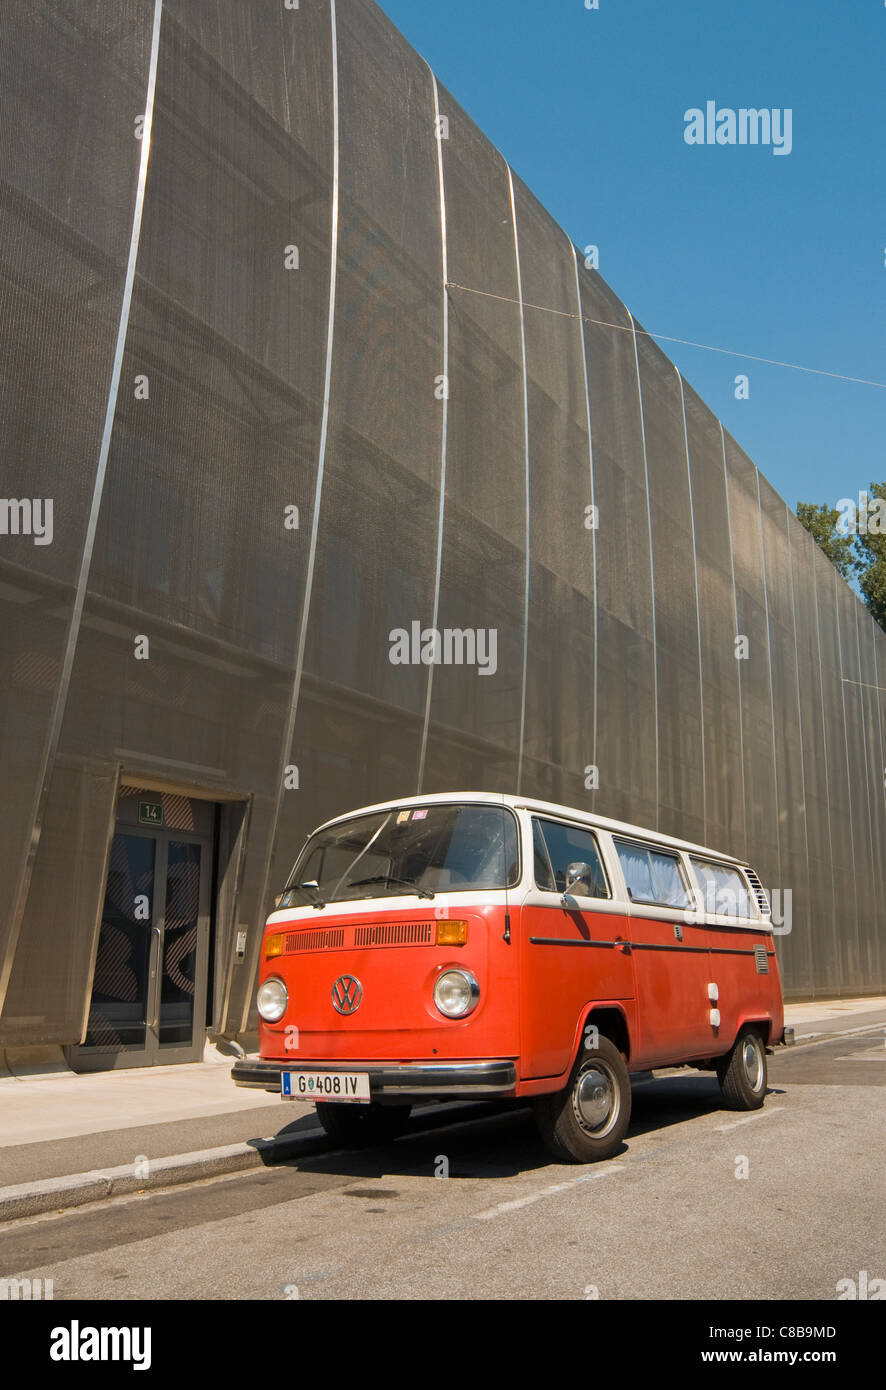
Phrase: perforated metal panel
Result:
[723,740]
[859,941]
[819,947]
[376,554]
[839,777]
[73,78]
[681,747]
[279,502]
[626,706]
[559,730]
[475,721]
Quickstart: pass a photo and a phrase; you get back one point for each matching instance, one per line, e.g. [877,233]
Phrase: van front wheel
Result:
[358,1126]
[742,1072]
[589,1119]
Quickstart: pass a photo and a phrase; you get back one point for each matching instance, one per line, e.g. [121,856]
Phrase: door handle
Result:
[621,944]
[155,1017]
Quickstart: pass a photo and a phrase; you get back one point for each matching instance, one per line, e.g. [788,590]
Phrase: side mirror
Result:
[577,874]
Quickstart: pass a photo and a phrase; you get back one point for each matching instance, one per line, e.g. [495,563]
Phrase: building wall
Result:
[319,388]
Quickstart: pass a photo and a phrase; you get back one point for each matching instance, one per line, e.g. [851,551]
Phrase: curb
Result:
[77,1189]
[811,1039]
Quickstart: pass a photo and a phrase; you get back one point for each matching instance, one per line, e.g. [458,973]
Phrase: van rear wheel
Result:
[588,1120]
[358,1126]
[742,1072]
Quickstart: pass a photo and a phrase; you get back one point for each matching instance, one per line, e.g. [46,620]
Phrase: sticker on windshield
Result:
[419,815]
[404,815]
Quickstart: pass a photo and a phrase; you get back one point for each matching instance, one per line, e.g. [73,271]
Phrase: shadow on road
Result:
[483,1141]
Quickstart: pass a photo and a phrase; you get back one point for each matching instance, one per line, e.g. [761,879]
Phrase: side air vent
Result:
[759,892]
[319,939]
[395,934]
[762,960]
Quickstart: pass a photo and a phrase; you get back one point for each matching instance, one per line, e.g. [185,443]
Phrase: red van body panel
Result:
[397,1020]
[672,990]
[537,992]
[671,987]
[572,960]
[748,990]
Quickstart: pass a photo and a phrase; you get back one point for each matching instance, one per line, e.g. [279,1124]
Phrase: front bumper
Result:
[428,1079]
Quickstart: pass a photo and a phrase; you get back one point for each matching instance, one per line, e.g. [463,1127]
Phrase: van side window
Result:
[724,890]
[652,876]
[556,847]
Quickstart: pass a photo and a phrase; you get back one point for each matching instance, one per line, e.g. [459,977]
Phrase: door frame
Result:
[84,1058]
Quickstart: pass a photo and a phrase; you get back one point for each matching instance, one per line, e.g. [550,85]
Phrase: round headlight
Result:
[272,1000]
[456,993]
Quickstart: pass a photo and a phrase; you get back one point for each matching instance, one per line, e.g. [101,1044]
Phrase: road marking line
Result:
[551,1191]
[761,1115]
[820,1038]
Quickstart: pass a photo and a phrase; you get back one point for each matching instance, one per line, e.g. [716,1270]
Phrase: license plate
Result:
[325,1085]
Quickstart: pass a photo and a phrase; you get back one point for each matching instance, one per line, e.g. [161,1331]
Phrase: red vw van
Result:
[490,946]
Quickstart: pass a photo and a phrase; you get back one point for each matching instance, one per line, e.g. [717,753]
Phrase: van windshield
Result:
[422,850]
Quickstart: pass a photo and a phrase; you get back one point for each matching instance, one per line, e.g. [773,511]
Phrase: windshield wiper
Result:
[392,878]
[312,887]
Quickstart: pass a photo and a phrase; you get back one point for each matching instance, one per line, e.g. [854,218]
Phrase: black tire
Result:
[358,1126]
[588,1120]
[742,1073]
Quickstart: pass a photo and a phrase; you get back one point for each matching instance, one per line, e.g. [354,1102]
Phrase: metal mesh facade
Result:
[358,380]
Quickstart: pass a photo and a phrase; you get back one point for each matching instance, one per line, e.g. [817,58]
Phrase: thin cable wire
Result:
[665,338]
[863,685]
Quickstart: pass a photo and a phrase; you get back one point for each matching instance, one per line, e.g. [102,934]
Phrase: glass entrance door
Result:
[181,947]
[149,989]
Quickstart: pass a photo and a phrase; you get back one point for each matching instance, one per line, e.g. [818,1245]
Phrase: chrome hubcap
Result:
[595,1099]
[752,1062]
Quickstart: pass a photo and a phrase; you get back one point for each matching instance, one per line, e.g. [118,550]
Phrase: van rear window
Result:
[723,889]
[652,876]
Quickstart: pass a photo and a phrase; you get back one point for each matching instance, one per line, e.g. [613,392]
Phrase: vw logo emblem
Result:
[347,994]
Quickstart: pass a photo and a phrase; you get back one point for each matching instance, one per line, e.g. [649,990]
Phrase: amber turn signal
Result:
[452,933]
[273,946]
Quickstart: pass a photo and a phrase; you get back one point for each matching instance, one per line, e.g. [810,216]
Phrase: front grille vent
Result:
[395,934]
[319,939]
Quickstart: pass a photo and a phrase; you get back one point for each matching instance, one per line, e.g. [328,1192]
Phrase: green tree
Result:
[821,523]
[858,553]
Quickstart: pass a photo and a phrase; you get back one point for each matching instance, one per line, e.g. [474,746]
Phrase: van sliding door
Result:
[671,959]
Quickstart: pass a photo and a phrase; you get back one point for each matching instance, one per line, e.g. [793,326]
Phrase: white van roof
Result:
[548,808]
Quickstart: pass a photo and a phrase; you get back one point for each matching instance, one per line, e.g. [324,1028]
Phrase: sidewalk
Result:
[834,1016]
[67,1139]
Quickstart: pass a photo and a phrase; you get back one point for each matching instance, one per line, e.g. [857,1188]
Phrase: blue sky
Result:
[780,256]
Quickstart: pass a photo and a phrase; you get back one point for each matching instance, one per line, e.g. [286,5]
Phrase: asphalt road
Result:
[670,1217]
